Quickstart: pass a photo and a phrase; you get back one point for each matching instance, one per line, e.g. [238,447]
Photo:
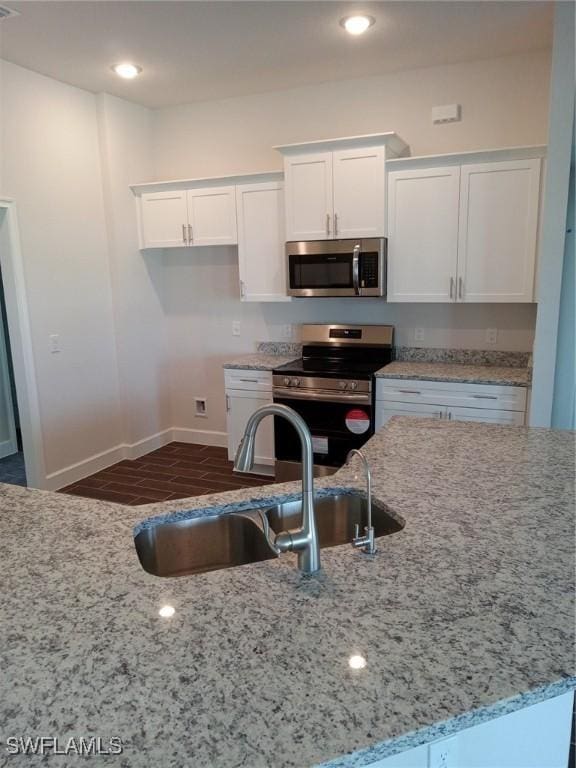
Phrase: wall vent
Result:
[6,13]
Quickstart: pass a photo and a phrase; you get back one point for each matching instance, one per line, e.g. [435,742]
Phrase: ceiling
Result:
[199,51]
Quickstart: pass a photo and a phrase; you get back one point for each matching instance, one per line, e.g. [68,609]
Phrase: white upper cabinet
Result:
[463,232]
[337,188]
[261,241]
[163,219]
[309,207]
[212,216]
[423,234]
[359,192]
[498,231]
[175,218]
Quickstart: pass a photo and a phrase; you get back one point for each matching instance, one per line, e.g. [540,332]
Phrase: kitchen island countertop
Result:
[464,615]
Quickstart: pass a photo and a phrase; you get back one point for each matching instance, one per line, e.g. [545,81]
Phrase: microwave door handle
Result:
[356,269]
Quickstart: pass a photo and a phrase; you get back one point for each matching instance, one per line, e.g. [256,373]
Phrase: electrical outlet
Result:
[418,334]
[491,336]
[54,342]
[443,754]
[200,407]
[235,327]
[287,331]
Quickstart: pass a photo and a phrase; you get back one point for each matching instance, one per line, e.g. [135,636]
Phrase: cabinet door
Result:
[498,231]
[261,242]
[487,415]
[212,216]
[163,219]
[385,411]
[240,405]
[359,192]
[423,234]
[309,205]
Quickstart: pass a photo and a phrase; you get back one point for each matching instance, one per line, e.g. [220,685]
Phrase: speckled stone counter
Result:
[259,361]
[457,372]
[464,615]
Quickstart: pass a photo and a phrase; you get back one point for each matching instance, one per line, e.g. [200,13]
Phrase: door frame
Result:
[12,265]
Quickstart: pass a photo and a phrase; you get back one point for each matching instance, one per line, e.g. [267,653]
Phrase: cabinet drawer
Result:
[490,396]
[255,381]
[487,415]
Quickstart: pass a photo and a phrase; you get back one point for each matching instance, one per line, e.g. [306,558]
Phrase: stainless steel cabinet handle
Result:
[439,414]
[410,391]
[328,224]
[356,269]
[242,289]
[249,381]
[184,233]
[190,234]
[451,287]
[485,397]
[460,288]
[449,415]
[335,225]
[227,404]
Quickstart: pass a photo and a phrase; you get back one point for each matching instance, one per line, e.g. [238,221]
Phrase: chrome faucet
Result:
[303,540]
[366,542]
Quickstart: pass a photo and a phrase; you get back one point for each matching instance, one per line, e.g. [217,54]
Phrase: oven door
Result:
[337,425]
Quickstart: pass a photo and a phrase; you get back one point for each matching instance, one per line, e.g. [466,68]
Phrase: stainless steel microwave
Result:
[337,267]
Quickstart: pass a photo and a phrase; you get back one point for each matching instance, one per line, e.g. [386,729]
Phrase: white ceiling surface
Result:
[199,51]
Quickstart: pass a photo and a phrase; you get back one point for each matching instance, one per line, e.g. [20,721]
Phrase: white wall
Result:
[504,102]
[202,300]
[137,279]
[51,166]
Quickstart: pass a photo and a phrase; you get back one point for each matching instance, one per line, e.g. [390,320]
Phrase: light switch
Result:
[54,343]
[235,327]
[418,334]
[491,335]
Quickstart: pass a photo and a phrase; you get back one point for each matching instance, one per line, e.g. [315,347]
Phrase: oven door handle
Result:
[324,396]
[356,269]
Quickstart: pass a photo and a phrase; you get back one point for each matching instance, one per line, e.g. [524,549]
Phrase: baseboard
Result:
[142,447]
[201,436]
[76,472]
[100,461]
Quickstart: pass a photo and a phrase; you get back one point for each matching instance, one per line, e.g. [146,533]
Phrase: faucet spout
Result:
[365,542]
[303,540]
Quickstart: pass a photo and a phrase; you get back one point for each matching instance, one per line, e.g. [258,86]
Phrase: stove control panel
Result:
[311,383]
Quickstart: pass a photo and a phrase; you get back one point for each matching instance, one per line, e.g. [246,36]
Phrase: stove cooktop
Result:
[332,368]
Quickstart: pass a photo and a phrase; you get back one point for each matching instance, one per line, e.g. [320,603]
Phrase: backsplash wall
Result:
[201,299]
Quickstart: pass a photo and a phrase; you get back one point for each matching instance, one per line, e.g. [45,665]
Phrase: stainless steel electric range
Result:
[332,388]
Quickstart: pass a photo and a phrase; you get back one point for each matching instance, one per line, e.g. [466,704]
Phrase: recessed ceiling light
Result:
[356,25]
[167,611]
[126,70]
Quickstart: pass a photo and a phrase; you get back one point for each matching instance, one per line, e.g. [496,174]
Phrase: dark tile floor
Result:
[12,469]
[176,471]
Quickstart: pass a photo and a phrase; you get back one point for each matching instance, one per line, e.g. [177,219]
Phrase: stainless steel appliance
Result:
[332,388]
[337,267]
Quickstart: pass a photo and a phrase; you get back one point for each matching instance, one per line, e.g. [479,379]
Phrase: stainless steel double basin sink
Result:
[214,542]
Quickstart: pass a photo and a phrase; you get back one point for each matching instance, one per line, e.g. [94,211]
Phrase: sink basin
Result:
[201,544]
[336,516]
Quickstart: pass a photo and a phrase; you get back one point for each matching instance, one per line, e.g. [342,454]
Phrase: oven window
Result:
[326,271]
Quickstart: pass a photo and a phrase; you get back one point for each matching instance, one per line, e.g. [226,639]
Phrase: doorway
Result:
[12,465]
[21,444]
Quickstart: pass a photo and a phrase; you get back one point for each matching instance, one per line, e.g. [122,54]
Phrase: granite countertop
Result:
[259,361]
[464,615]
[457,372]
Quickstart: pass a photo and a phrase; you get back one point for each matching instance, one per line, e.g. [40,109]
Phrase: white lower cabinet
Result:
[246,391]
[490,403]
[534,737]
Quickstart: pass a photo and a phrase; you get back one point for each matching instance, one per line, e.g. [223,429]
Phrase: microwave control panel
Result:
[369,270]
